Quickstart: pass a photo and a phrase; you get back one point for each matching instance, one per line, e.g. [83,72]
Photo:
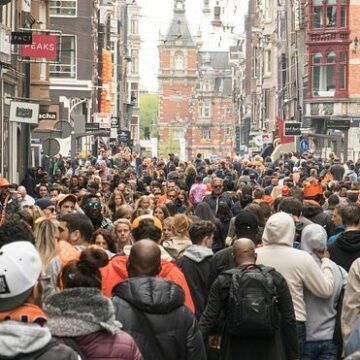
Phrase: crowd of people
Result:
[125,257]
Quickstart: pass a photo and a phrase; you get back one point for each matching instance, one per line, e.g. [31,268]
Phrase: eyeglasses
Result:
[217,186]
[94,205]
[51,209]
[5,187]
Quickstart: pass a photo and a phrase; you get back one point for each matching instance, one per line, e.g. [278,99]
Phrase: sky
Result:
[155,16]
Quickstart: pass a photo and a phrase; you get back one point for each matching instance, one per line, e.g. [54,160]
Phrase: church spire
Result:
[179,27]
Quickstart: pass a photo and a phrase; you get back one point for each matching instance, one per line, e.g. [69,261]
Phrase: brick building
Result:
[196,110]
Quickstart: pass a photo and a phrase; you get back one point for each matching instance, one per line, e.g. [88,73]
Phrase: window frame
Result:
[61,7]
[320,71]
[323,6]
[73,65]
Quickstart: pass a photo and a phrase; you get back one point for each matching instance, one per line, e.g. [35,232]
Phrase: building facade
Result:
[196,109]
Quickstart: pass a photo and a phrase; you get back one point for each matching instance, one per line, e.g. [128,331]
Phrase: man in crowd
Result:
[251,345]
[196,261]
[218,195]
[346,248]
[152,309]
[297,267]
[91,206]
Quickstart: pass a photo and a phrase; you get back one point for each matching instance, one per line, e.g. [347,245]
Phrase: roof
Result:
[179,26]
[218,60]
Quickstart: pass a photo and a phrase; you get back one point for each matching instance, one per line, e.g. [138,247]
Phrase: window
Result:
[134,25]
[324,80]
[324,14]
[205,109]
[134,61]
[179,61]
[63,8]
[268,9]
[178,133]
[67,66]
[267,64]
[206,134]
[343,70]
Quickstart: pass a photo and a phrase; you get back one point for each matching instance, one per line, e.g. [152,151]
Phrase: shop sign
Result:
[43,46]
[24,112]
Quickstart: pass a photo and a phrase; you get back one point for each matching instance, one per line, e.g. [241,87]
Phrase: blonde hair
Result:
[181,225]
[141,199]
[45,242]
[168,222]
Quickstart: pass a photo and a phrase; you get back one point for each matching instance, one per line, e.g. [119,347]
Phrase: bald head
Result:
[144,259]
[244,252]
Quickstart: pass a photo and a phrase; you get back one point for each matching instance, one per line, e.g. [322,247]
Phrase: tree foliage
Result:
[149,107]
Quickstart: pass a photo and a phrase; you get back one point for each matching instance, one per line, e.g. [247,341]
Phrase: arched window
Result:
[329,73]
[179,61]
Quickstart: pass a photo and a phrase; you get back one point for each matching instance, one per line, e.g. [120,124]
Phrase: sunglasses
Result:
[51,209]
[94,205]
[5,187]
[217,186]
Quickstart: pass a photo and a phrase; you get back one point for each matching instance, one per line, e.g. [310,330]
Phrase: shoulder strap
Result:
[146,326]
[71,343]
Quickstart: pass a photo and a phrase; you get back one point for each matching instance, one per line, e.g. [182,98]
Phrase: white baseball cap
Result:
[20,268]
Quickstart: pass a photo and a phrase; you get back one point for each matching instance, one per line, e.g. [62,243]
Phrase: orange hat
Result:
[4,182]
[136,223]
[312,188]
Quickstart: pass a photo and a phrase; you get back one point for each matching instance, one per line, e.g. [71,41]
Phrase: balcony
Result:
[333,36]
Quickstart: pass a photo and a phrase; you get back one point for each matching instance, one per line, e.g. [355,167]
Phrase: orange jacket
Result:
[116,271]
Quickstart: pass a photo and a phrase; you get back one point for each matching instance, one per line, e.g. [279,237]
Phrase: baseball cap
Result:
[20,268]
[136,223]
[67,197]
[245,220]
[43,203]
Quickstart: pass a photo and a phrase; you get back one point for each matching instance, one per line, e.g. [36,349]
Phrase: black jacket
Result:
[222,261]
[162,302]
[280,347]
[214,201]
[195,264]
[345,249]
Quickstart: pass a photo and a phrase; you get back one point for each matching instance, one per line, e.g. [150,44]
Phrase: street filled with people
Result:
[121,256]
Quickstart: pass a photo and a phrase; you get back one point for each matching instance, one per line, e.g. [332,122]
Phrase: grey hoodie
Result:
[198,253]
[321,313]
[296,266]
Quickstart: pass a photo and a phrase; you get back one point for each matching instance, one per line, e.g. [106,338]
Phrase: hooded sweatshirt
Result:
[345,249]
[21,338]
[195,264]
[296,266]
[116,271]
[321,313]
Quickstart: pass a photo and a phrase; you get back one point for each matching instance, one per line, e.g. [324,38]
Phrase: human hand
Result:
[322,254]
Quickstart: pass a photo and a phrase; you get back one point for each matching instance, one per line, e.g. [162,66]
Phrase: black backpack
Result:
[253,304]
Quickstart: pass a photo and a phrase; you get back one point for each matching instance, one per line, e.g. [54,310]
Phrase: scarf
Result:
[27,313]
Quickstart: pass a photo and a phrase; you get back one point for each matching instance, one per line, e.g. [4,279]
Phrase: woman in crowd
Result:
[123,212]
[167,231]
[180,240]
[161,212]
[104,239]
[82,317]
[116,201]
[144,203]
[47,234]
